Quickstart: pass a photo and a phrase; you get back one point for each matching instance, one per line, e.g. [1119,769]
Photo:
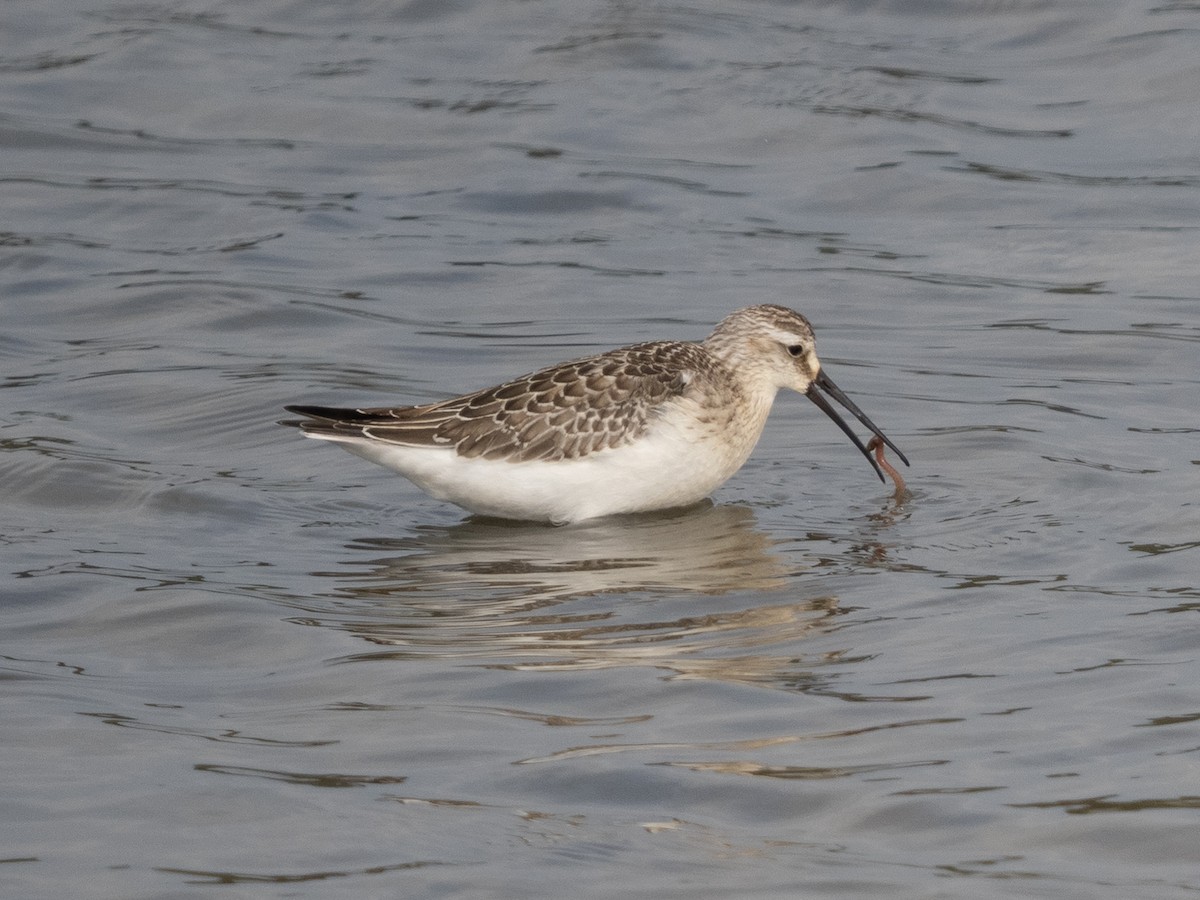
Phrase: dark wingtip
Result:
[313,412]
[329,413]
[314,416]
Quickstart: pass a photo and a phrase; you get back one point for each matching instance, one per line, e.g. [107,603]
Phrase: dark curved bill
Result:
[825,383]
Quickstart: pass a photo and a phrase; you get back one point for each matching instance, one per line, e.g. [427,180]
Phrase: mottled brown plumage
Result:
[559,413]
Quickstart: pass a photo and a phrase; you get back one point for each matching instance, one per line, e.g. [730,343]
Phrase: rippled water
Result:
[239,663]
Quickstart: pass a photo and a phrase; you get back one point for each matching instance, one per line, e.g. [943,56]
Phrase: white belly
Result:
[662,470]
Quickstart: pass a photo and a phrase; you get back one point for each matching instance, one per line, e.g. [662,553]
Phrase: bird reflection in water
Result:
[497,594]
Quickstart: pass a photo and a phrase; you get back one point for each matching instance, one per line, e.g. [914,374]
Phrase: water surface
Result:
[243,664]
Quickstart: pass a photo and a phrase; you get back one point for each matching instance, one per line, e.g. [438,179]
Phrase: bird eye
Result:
[796,350]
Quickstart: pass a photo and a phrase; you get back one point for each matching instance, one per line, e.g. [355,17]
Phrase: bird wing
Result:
[562,412]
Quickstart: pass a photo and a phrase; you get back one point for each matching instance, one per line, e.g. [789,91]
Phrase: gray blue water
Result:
[238,664]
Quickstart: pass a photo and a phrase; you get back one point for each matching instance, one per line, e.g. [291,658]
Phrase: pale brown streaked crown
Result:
[768,347]
[738,329]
